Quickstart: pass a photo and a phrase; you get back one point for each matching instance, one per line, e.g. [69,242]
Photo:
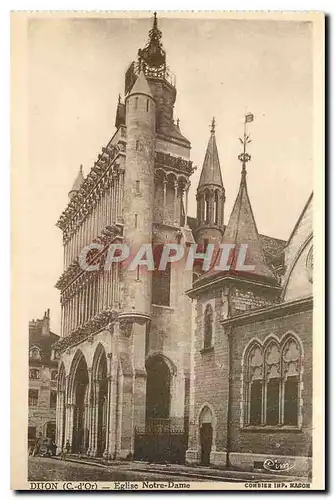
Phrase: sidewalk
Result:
[190,472]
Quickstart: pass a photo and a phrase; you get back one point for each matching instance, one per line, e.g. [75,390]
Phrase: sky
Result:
[223,68]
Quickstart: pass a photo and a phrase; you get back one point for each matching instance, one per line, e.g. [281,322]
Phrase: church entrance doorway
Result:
[206,435]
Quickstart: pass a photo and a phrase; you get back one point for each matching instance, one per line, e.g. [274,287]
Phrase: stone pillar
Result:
[164,199]
[177,405]
[125,408]
[69,414]
[175,202]
[89,410]
[112,409]
[211,207]
[186,203]
[94,423]
[60,421]
[192,453]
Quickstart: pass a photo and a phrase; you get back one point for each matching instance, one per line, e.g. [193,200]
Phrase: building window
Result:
[136,102]
[34,373]
[35,353]
[272,379]
[31,432]
[148,105]
[53,399]
[53,374]
[208,327]
[33,397]
[161,279]
[137,187]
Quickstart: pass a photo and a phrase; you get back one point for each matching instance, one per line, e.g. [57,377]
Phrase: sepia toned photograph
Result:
[167,206]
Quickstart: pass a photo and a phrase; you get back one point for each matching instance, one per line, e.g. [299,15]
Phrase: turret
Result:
[210,197]
[139,192]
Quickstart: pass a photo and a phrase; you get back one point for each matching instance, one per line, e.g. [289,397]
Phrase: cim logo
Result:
[277,465]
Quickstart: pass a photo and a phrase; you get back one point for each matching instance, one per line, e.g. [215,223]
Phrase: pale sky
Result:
[76,71]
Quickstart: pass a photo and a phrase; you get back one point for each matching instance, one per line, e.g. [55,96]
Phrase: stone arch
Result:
[77,359]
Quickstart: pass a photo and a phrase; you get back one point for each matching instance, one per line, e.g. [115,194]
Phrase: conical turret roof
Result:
[211,170]
[242,230]
[141,86]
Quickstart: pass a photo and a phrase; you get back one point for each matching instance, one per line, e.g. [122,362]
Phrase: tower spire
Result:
[153,54]
[210,195]
[213,126]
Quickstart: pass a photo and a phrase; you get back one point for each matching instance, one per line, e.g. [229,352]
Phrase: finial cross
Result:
[213,126]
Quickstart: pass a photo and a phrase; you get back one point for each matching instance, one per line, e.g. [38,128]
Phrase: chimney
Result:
[32,327]
[46,323]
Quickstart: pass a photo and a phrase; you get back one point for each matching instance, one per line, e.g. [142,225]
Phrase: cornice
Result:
[74,271]
[175,163]
[87,330]
[275,311]
[97,182]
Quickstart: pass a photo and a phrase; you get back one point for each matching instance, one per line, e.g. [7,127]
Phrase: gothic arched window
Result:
[216,207]
[272,381]
[207,214]
[208,327]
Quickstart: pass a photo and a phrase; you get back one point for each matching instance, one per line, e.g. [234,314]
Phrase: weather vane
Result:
[245,157]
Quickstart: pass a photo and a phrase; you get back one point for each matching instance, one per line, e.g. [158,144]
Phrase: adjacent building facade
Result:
[43,367]
[208,367]
[251,383]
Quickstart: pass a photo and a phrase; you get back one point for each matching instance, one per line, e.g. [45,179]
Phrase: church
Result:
[181,364]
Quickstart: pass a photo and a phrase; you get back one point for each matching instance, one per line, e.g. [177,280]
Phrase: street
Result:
[51,469]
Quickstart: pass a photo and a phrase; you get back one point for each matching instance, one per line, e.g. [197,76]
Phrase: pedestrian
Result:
[38,444]
[66,450]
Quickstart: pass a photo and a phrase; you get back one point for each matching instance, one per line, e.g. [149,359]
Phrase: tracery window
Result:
[272,380]
[208,327]
[33,397]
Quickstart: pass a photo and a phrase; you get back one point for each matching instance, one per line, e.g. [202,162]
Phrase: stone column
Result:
[112,408]
[177,405]
[211,207]
[94,421]
[186,204]
[60,420]
[164,199]
[175,201]
[89,411]
[192,453]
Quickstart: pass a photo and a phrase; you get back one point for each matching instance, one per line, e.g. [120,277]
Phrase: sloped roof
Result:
[272,247]
[242,230]
[141,86]
[43,342]
[211,170]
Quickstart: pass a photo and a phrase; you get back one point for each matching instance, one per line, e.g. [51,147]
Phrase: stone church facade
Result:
[146,355]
